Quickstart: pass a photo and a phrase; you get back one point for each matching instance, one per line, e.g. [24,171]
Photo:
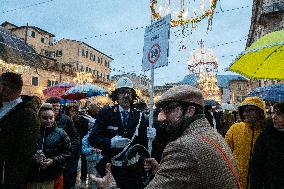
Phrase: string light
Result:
[28,6]
[142,27]
[21,69]
[180,12]
[83,77]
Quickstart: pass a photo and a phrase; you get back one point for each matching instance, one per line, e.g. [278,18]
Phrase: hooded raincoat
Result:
[241,138]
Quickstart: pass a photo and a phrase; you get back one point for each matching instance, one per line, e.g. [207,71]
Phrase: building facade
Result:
[267,16]
[60,61]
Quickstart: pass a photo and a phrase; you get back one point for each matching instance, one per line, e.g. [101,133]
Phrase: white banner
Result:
[156,44]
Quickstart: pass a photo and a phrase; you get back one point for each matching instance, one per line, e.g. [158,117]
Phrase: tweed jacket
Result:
[191,162]
[19,130]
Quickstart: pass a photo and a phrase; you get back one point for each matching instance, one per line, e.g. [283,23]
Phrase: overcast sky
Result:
[96,21]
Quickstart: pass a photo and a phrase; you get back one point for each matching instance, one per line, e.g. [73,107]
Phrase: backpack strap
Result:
[224,155]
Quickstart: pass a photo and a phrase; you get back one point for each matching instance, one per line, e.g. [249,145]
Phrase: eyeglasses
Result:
[276,112]
[169,107]
[250,109]
[124,91]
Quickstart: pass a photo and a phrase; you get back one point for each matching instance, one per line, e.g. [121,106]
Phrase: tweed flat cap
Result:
[182,93]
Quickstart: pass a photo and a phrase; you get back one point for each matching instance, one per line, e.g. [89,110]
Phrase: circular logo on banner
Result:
[154,53]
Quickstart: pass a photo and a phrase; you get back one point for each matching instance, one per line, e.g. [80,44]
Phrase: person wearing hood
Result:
[267,163]
[53,149]
[197,155]
[19,130]
[241,136]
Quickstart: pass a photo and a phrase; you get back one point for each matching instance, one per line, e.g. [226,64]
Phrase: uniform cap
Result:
[124,82]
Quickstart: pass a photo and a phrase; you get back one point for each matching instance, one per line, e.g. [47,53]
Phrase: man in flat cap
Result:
[197,156]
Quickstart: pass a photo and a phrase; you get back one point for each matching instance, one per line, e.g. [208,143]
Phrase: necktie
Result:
[124,118]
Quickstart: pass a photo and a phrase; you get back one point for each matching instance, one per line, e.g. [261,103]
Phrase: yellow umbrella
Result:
[264,59]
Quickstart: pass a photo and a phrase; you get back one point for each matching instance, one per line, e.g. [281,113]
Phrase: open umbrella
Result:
[82,91]
[57,90]
[211,102]
[264,59]
[14,50]
[272,93]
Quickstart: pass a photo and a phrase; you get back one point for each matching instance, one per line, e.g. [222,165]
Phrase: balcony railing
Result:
[273,8]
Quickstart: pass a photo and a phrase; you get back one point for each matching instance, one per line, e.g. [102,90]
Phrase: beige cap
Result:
[182,93]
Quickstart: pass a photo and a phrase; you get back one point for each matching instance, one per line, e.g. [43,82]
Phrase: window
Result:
[42,40]
[94,58]
[239,87]
[91,56]
[51,83]
[82,52]
[105,63]
[35,81]
[87,54]
[52,54]
[87,69]
[99,60]
[58,53]
[31,33]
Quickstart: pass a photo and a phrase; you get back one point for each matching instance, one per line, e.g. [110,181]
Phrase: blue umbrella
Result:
[273,93]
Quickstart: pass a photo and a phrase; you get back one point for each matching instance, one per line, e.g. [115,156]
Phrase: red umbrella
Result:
[57,90]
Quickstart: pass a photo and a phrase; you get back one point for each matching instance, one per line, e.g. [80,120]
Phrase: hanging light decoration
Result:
[184,12]
[83,77]
[17,68]
[203,63]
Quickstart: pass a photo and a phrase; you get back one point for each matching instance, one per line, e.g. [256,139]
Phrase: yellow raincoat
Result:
[239,138]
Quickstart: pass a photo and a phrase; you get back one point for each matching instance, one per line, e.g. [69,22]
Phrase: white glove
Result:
[151,133]
[119,142]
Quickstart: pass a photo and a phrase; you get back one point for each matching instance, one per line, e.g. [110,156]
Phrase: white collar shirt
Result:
[122,110]
[8,106]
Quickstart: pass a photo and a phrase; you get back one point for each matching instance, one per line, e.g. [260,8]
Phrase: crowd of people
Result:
[194,145]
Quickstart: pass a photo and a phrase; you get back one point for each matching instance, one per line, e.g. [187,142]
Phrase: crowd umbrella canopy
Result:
[264,59]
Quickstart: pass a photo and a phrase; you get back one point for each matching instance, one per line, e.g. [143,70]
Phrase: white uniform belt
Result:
[132,161]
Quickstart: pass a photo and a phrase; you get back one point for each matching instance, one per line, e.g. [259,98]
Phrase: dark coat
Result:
[108,125]
[55,145]
[63,121]
[19,131]
[267,163]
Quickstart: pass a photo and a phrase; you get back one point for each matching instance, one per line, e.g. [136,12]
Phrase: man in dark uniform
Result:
[118,127]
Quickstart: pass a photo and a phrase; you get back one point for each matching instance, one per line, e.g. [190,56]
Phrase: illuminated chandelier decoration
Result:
[83,77]
[17,68]
[203,63]
[184,12]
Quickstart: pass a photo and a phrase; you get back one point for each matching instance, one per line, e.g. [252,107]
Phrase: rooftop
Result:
[222,80]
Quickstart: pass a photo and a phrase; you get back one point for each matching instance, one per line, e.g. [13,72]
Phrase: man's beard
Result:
[173,130]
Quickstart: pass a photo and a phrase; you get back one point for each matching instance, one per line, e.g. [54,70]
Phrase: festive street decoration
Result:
[17,68]
[83,77]
[184,12]
[203,63]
